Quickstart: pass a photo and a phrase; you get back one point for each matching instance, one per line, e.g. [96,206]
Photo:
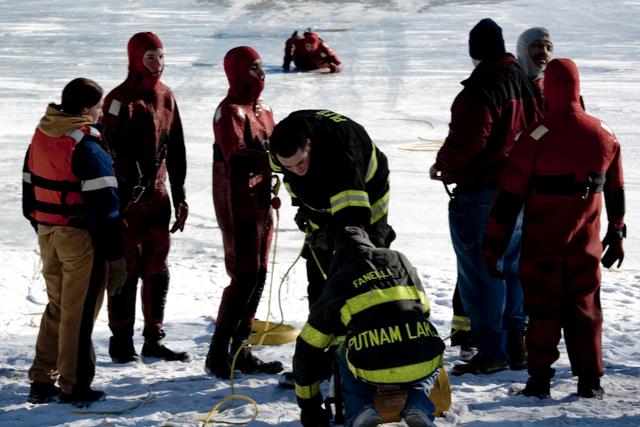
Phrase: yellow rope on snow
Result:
[214,410]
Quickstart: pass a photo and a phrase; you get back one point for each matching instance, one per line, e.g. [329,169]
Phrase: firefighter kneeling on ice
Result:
[375,298]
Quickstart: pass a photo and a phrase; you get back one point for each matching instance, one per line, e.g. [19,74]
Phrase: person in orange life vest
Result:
[561,248]
[242,125]
[534,50]
[309,52]
[70,196]
[144,131]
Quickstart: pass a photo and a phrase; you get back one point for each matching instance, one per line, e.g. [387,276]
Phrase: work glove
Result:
[182,212]
[612,246]
[286,66]
[117,276]
[319,239]
[312,413]
[301,220]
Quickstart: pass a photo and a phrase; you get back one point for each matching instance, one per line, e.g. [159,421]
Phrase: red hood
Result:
[311,37]
[562,86]
[237,64]
[138,45]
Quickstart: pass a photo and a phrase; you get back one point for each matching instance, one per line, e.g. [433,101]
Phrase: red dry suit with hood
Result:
[242,125]
[320,56]
[144,132]
[559,169]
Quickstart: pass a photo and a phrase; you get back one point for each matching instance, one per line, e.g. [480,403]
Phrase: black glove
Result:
[301,220]
[319,239]
[312,413]
[612,246]
[286,65]
[117,276]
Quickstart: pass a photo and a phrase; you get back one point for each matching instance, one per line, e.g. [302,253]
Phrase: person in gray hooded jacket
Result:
[535,49]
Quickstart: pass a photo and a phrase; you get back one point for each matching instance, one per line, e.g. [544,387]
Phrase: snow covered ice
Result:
[403,61]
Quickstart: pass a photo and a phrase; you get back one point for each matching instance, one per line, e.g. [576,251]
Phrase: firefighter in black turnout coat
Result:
[375,298]
[337,177]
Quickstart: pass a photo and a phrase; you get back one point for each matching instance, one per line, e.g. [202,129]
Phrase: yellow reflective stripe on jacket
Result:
[274,164]
[461,323]
[349,198]
[308,391]
[373,164]
[374,297]
[399,374]
[314,337]
[289,190]
[380,208]
[313,225]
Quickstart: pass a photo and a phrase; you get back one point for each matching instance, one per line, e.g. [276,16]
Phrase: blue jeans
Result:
[359,395]
[495,306]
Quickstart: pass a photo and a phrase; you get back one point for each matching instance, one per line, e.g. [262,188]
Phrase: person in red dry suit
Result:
[242,125]
[309,52]
[559,170]
[144,131]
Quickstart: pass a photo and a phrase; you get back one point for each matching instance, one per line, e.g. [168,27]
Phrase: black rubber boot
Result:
[154,348]
[82,398]
[537,386]
[121,349]
[590,388]
[218,362]
[247,363]
[41,392]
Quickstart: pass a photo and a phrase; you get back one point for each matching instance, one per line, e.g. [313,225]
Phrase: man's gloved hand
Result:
[117,276]
[182,212]
[612,246]
[312,413]
[286,65]
[319,239]
[301,220]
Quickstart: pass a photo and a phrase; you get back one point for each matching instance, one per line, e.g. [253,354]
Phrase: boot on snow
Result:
[121,349]
[82,398]
[590,388]
[159,351]
[41,392]
[248,363]
[537,386]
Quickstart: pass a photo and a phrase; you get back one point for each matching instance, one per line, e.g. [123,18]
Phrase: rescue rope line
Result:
[232,397]
[129,408]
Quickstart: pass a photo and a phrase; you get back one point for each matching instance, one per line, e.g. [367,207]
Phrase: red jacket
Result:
[498,102]
[143,129]
[559,169]
[320,55]
[242,125]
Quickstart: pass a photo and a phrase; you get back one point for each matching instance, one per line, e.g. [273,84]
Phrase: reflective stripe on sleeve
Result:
[314,337]
[349,198]
[373,164]
[99,183]
[461,323]
[307,391]
[380,208]
[26,177]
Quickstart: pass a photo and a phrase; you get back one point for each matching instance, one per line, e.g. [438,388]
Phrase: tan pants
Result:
[75,288]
